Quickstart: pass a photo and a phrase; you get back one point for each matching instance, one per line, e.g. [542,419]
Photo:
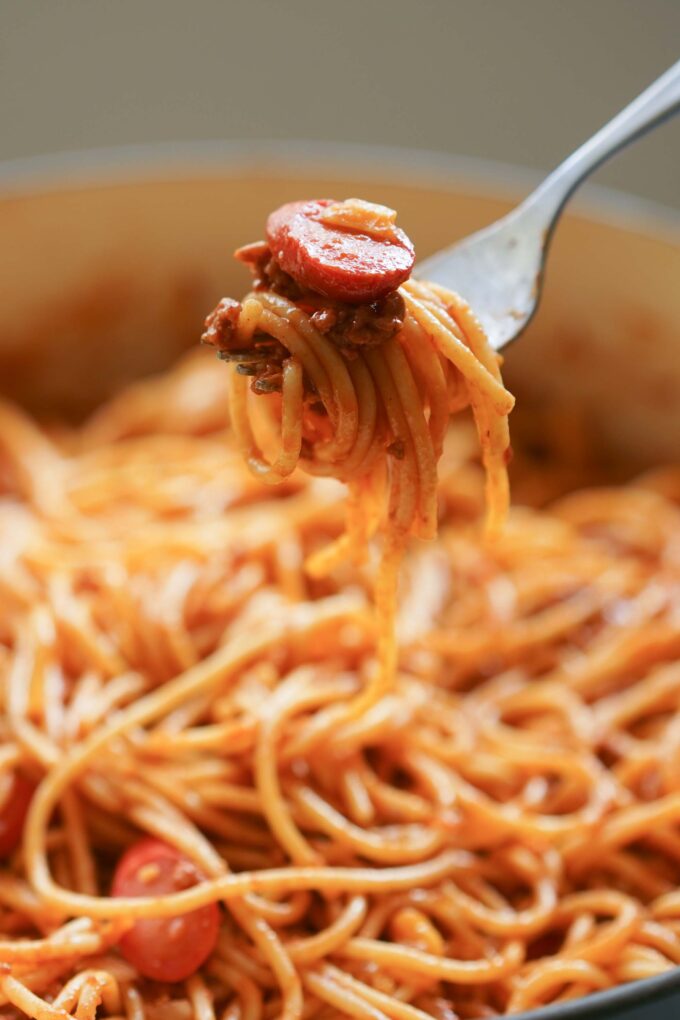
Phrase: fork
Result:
[499,270]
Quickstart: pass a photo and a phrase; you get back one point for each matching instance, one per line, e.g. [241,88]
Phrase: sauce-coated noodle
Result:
[477,820]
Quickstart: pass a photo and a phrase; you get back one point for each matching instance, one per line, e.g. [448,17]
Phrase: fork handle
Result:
[657,103]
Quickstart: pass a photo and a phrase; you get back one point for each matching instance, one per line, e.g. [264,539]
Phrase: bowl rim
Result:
[168,161]
[165,161]
[606,1004]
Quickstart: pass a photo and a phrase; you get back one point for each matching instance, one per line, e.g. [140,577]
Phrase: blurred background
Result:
[520,81]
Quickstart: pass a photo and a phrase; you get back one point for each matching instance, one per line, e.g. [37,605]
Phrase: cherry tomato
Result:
[341,264]
[164,948]
[13,811]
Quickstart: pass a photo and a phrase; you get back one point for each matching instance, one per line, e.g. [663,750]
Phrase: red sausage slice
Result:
[164,948]
[343,264]
[13,809]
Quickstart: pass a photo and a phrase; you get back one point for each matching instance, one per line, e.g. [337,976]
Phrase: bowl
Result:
[110,260]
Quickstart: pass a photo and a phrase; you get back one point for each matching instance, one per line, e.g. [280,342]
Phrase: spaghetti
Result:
[360,392]
[497,830]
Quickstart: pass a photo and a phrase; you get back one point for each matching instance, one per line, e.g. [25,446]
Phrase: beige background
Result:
[521,81]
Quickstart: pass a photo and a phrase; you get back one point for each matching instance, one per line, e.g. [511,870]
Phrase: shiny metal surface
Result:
[499,270]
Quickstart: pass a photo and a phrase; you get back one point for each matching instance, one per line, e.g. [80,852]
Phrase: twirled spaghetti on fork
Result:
[358,390]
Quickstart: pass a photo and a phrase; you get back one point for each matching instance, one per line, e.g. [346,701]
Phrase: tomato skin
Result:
[336,263]
[13,813]
[164,949]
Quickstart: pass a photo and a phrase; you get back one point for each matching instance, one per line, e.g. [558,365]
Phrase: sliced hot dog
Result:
[359,262]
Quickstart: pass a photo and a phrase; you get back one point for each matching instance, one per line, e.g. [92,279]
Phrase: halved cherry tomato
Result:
[13,811]
[164,948]
[342,264]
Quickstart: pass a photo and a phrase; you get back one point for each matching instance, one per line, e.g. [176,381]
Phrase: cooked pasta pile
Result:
[497,828]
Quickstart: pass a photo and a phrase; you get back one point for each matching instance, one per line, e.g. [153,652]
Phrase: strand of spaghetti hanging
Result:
[344,366]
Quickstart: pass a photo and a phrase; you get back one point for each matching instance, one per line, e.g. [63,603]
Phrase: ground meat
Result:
[219,329]
[346,325]
[267,273]
[349,327]
[397,449]
[354,326]
[262,359]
